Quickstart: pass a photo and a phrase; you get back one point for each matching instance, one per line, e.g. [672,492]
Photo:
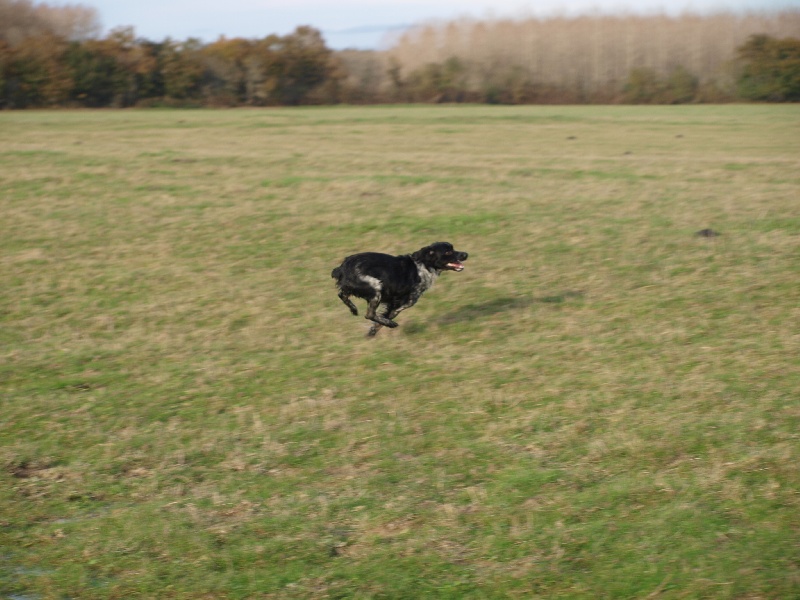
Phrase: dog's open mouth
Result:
[455,266]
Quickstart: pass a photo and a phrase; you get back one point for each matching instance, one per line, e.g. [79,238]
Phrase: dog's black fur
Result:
[396,282]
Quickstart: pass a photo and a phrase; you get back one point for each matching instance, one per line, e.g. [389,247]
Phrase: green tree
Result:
[98,78]
[225,74]
[769,69]
[181,69]
[6,60]
[439,82]
[507,84]
[299,63]
[642,86]
[150,75]
[109,72]
[680,87]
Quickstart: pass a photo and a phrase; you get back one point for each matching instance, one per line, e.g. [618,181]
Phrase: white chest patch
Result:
[427,278]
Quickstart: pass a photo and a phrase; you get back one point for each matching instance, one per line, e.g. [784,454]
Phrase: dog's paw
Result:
[372,331]
[354,311]
[391,324]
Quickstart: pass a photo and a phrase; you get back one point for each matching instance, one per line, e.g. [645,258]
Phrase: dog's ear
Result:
[422,253]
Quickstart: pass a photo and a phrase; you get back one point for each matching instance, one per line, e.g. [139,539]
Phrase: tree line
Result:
[54,57]
[120,70]
[600,58]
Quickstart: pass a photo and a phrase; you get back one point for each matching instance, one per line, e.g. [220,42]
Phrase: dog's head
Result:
[441,256]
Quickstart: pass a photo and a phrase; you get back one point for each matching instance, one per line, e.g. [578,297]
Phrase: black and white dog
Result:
[396,282]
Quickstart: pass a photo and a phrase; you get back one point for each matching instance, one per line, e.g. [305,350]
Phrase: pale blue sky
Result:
[355,23]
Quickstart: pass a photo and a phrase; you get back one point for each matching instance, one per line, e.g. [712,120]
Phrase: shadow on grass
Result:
[472,312]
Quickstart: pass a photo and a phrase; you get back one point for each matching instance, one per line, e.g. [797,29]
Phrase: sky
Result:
[365,24]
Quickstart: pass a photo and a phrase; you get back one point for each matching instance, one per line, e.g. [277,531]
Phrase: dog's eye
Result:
[448,253]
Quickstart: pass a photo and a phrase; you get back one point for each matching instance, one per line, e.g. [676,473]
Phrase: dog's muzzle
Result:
[457,266]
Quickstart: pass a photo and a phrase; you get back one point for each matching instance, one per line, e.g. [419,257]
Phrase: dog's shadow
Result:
[473,312]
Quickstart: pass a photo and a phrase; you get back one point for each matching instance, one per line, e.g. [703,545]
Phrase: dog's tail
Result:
[337,274]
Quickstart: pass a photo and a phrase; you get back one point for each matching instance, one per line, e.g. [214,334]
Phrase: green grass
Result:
[602,405]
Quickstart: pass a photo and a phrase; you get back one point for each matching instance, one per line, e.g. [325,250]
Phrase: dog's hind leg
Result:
[372,313]
[388,314]
[346,299]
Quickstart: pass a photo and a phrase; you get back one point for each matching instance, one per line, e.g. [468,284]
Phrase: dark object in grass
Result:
[396,282]
[707,233]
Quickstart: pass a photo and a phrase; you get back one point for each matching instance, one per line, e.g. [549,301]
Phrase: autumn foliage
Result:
[52,56]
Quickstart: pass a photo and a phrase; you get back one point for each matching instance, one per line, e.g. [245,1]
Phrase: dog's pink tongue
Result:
[457,266]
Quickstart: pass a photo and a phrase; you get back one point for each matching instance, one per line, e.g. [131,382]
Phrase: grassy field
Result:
[602,405]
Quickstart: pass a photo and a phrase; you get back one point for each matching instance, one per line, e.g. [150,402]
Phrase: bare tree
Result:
[21,19]
[589,57]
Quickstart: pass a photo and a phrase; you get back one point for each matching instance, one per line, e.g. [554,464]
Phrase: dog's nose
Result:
[463,256]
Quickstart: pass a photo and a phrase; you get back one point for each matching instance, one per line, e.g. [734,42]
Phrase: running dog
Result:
[396,282]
